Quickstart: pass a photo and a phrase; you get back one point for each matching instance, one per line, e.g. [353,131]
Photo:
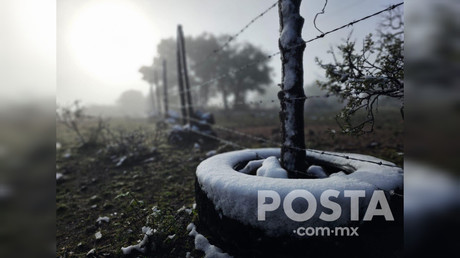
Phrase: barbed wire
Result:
[290,48]
[301,98]
[391,7]
[238,146]
[232,38]
[219,139]
[380,163]
[316,16]
[258,102]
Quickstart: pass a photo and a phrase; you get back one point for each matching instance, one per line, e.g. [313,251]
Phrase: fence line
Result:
[232,72]
[266,101]
[295,46]
[353,22]
[280,145]
[238,146]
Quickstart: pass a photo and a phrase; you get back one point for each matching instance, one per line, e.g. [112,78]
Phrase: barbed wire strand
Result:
[391,7]
[292,47]
[280,145]
[258,102]
[238,146]
[232,38]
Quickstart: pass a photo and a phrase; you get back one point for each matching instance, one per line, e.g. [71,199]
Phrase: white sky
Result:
[99,45]
[27,50]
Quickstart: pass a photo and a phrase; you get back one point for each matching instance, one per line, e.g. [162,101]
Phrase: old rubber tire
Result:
[220,189]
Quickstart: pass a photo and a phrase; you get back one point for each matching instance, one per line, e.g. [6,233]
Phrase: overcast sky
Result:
[27,50]
[99,45]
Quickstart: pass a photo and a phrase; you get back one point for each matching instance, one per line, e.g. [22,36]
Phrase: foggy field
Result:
[93,186]
[229,128]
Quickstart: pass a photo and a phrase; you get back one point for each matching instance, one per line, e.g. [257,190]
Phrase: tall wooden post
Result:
[157,91]
[152,99]
[292,96]
[165,89]
[180,79]
[185,73]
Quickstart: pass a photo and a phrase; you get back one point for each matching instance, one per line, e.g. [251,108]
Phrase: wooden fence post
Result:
[157,92]
[292,96]
[185,74]
[180,78]
[152,100]
[165,90]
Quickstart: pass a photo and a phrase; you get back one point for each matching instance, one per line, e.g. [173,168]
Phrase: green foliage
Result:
[362,77]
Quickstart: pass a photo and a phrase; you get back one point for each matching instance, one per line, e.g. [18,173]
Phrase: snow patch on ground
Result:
[145,245]
[235,194]
[211,153]
[271,168]
[91,252]
[183,208]
[202,244]
[102,219]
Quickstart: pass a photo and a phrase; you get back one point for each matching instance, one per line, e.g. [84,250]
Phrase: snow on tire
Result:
[227,199]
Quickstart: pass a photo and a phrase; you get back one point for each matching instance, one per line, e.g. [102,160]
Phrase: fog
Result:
[102,44]
[43,61]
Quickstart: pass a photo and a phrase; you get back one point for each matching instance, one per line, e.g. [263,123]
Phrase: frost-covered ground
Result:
[91,188]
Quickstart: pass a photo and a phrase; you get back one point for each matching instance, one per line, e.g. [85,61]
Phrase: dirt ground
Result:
[150,187]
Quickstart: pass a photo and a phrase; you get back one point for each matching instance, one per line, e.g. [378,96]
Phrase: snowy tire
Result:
[227,204]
